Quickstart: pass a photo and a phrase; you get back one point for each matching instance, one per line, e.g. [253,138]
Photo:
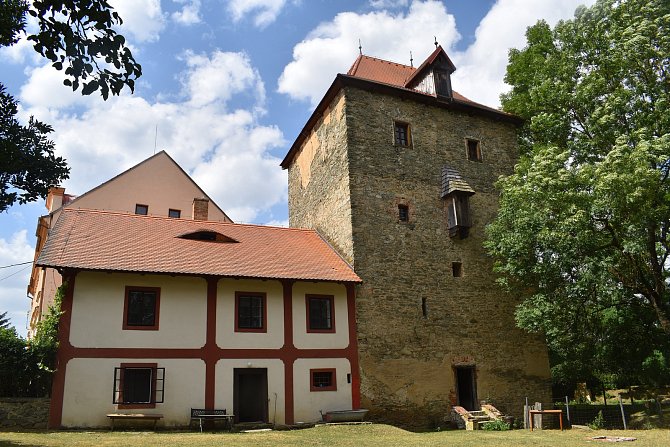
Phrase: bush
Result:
[599,422]
[496,425]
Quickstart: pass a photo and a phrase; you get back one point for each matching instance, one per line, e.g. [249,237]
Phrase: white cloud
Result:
[13,280]
[142,19]
[481,69]
[224,147]
[264,12]
[333,46]
[45,89]
[189,14]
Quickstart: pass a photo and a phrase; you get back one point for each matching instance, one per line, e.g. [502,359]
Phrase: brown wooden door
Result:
[250,394]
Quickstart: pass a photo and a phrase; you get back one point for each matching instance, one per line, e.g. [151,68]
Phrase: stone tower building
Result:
[397,172]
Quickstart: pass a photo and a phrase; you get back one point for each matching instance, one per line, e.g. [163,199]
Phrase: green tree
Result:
[582,232]
[78,37]
[4,320]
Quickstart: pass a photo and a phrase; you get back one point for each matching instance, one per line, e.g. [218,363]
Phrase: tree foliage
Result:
[582,231]
[4,320]
[78,37]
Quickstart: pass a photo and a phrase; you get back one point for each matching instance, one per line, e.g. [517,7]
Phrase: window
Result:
[403,213]
[322,379]
[457,269]
[174,213]
[320,313]
[424,307]
[250,312]
[142,209]
[140,309]
[138,385]
[474,150]
[401,132]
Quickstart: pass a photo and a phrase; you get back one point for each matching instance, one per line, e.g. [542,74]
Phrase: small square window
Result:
[141,308]
[401,132]
[142,209]
[403,213]
[322,379]
[474,150]
[250,312]
[320,313]
[457,269]
[174,213]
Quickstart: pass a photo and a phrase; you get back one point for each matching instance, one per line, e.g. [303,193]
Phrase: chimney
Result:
[200,208]
[55,198]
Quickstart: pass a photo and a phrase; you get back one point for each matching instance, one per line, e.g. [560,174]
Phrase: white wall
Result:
[97,311]
[304,340]
[308,403]
[89,384]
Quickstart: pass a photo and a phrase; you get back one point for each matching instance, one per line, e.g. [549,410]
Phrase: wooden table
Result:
[558,412]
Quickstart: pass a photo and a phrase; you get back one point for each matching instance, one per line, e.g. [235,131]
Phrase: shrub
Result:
[496,425]
[599,422]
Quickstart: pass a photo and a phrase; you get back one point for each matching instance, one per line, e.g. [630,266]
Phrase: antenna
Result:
[436,44]
[155,138]
[411,59]
[360,47]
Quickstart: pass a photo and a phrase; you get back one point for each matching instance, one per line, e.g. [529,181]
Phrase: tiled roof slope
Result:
[379,70]
[108,241]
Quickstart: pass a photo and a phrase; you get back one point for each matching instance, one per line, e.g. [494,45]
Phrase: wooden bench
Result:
[201,414]
[135,417]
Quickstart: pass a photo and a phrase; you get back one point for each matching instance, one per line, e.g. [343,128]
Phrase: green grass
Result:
[347,436]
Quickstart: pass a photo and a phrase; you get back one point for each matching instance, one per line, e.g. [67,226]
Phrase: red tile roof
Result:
[109,241]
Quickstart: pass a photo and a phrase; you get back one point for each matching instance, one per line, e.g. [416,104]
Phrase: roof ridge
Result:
[177,219]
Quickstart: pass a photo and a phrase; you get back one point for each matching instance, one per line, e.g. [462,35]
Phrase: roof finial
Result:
[411,59]
[436,44]
[360,47]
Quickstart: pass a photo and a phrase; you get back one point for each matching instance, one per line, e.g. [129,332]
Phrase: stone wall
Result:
[408,359]
[23,412]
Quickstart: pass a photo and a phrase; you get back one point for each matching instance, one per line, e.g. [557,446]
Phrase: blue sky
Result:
[228,84]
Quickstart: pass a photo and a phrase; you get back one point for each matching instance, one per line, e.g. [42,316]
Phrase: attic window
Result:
[206,235]
[141,209]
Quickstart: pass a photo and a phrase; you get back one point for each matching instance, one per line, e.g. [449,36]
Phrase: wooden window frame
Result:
[154,374]
[408,133]
[263,296]
[332,387]
[174,211]
[478,151]
[146,209]
[153,327]
[331,299]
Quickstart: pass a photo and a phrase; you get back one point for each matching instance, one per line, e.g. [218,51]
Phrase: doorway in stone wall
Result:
[466,387]
[250,394]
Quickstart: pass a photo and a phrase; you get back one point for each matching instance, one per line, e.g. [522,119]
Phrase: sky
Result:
[227,85]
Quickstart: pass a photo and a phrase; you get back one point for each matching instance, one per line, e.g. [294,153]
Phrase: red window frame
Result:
[331,299]
[333,375]
[263,296]
[154,372]
[154,327]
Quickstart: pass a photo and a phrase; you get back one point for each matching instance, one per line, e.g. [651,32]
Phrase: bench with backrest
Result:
[135,417]
[201,414]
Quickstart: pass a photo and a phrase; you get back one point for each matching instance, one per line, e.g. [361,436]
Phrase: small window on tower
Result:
[402,135]
[142,209]
[403,213]
[474,150]
[174,213]
[457,269]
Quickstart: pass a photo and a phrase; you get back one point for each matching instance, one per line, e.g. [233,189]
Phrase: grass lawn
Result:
[347,436]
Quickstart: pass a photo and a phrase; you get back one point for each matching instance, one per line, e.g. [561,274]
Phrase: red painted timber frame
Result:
[210,353]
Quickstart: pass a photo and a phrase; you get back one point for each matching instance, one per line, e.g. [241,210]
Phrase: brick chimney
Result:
[55,198]
[200,208]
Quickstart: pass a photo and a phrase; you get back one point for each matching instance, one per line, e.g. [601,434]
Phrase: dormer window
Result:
[207,235]
[442,83]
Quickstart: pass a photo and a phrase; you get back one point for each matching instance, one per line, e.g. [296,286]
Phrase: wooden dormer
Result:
[434,75]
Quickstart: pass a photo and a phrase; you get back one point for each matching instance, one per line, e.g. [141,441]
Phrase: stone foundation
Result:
[24,412]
